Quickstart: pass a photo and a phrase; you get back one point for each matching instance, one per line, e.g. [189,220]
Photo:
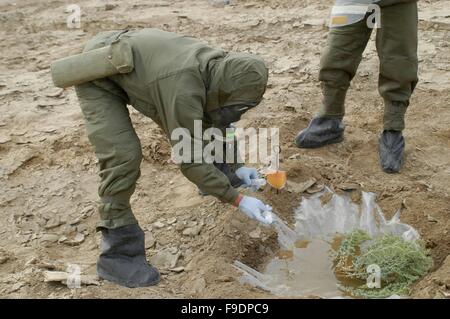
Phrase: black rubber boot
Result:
[391,147]
[321,131]
[122,258]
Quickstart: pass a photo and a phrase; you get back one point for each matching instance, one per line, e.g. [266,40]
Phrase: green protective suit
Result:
[396,43]
[175,80]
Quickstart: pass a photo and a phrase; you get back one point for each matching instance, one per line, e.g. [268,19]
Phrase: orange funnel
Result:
[277,179]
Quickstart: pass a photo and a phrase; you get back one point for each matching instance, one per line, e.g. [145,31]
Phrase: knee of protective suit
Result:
[398,77]
[402,69]
[336,68]
[119,168]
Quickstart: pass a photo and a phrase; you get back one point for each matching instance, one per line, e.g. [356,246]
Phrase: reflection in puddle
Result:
[307,270]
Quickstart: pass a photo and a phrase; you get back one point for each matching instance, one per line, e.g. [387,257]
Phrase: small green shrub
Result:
[401,263]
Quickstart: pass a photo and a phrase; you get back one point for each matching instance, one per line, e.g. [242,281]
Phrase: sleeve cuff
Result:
[230,196]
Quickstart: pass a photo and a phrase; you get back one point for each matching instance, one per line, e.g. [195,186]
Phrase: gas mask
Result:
[226,115]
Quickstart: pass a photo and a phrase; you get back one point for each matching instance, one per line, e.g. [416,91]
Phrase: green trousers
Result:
[117,147]
[396,44]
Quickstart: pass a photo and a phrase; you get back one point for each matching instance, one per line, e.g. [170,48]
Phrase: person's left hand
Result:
[246,174]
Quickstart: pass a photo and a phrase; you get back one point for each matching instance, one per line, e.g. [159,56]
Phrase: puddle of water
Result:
[307,270]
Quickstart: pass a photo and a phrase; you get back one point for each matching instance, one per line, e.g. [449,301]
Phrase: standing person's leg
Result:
[122,257]
[397,49]
[339,62]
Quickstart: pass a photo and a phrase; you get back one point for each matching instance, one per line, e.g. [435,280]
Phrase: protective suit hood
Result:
[236,79]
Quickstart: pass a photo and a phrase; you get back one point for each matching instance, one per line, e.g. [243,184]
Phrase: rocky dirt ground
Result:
[48,169]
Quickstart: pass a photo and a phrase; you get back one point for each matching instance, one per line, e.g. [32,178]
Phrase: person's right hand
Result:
[254,209]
